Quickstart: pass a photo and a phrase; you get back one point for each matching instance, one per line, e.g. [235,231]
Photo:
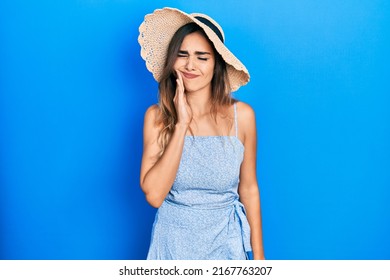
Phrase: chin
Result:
[191,88]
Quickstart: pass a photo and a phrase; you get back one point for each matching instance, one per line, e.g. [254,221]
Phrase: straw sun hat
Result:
[158,28]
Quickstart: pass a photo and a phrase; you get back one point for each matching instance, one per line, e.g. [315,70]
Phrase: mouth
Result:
[189,76]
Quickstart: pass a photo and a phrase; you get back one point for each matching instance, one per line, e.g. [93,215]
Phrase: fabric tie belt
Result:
[239,211]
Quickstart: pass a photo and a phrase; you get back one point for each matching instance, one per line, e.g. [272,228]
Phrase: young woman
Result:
[199,158]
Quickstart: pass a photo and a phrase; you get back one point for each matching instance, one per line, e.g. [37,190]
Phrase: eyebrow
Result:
[197,52]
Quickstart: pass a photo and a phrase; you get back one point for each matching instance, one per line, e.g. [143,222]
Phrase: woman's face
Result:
[195,62]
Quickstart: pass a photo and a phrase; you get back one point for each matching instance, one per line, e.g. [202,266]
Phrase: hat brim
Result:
[156,32]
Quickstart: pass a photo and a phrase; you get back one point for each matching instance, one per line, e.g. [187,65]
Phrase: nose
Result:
[190,63]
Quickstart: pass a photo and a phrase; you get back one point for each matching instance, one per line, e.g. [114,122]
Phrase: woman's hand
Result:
[184,113]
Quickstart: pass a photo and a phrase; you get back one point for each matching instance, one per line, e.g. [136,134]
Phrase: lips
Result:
[189,76]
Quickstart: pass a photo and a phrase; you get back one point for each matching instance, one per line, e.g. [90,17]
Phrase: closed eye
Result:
[182,54]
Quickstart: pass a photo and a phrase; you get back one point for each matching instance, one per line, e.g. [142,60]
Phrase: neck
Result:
[199,102]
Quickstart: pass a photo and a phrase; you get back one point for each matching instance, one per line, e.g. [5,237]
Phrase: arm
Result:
[159,173]
[248,188]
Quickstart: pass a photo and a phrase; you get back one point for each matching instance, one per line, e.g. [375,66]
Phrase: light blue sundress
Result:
[201,218]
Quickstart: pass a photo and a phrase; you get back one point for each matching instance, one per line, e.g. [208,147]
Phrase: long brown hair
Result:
[220,87]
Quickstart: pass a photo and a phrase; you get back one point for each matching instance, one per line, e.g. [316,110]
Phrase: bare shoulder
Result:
[246,120]
[152,112]
[151,116]
[152,126]
[245,113]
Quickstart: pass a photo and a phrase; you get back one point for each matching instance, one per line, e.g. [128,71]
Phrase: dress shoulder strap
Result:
[235,119]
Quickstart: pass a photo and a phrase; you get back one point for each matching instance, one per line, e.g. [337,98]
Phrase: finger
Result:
[179,90]
[178,75]
[179,81]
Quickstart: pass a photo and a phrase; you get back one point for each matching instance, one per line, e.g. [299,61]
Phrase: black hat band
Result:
[212,27]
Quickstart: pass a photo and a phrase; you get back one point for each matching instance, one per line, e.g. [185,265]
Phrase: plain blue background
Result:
[74,90]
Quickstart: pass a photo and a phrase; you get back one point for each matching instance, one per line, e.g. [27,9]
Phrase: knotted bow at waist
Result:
[238,211]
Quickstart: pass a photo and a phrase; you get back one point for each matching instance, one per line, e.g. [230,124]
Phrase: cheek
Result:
[179,63]
[211,67]
[210,71]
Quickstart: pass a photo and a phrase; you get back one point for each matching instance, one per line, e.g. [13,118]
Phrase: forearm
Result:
[158,181]
[251,201]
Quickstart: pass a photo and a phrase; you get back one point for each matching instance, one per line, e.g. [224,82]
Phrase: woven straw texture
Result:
[157,30]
